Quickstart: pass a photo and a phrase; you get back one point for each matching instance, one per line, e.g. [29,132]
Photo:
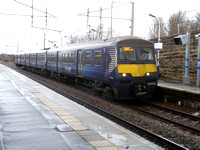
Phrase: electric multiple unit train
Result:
[122,67]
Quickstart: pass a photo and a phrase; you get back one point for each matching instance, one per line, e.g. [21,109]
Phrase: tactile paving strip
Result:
[102,144]
[93,138]
[107,148]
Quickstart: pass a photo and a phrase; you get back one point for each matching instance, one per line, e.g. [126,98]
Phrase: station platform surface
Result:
[33,117]
[179,87]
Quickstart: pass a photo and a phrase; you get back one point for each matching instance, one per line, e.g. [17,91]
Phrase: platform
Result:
[179,87]
[33,117]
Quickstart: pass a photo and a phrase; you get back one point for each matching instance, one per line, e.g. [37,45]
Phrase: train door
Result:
[58,61]
[37,58]
[45,60]
[79,62]
[106,64]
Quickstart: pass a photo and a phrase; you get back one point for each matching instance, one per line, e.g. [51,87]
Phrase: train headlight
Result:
[125,75]
[151,74]
[147,74]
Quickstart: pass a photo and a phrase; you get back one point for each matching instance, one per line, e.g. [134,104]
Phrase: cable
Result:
[35,8]
[106,17]
[21,15]
[46,29]
[82,14]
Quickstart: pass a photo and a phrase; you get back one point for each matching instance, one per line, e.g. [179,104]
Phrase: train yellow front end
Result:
[136,69]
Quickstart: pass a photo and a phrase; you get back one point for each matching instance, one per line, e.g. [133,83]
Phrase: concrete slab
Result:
[89,129]
[179,87]
[27,124]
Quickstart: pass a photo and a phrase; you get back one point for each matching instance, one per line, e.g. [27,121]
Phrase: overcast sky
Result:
[16,31]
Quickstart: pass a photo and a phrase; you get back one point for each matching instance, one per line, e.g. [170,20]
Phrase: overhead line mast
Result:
[32,15]
[35,8]
[132,18]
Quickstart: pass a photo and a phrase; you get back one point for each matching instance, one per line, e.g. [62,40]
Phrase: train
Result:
[121,67]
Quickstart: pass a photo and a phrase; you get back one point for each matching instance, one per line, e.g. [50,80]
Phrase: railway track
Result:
[171,116]
[132,127]
[127,124]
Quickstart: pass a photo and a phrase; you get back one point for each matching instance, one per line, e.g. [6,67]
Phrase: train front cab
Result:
[136,69]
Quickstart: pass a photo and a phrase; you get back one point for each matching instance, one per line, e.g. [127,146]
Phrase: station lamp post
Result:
[184,39]
[158,42]
[111,19]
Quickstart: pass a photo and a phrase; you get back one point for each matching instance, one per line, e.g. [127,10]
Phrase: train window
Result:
[127,54]
[71,58]
[38,57]
[53,57]
[145,54]
[41,57]
[27,57]
[135,53]
[88,56]
[64,58]
[49,57]
[32,57]
[97,58]
[23,57]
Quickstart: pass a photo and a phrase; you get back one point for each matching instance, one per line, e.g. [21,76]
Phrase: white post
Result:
[198,61]
[186,78]
[158,63]
[132,20]
[158,42]
[111,20]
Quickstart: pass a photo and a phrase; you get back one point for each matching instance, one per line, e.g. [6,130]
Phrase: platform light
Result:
[181,39]
[197,35]
[184,39]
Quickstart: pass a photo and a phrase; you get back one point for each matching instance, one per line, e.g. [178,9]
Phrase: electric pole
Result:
[32,15]
[88,17]
[100,32]
[132,19]
[111,19]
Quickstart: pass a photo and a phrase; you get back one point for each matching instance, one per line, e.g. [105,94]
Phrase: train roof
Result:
[90,45]
[97,43]
[31,52]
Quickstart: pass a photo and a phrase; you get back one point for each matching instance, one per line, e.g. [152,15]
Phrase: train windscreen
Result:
[135,53]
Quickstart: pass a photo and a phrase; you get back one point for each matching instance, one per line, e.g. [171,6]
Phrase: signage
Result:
[158,46]
[128,49]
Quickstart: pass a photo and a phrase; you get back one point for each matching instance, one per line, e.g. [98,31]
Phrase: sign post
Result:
[158,47]
[184,39]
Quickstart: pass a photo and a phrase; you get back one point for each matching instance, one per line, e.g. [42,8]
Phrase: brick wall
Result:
[172,59]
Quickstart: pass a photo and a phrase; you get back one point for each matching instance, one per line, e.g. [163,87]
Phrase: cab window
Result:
[127,54]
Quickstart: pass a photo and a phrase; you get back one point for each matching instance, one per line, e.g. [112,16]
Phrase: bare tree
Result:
[92,35]
[195,25]
[155,28]
[99,33]
[76,39]
[178,23]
